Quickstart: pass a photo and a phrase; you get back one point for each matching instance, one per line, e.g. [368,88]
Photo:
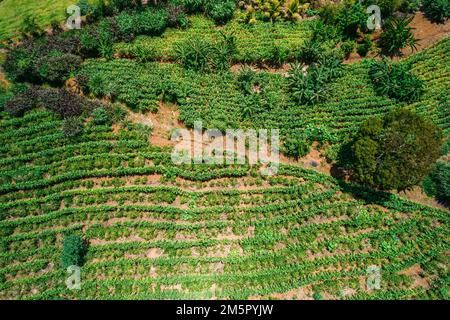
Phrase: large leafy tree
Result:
[395,152]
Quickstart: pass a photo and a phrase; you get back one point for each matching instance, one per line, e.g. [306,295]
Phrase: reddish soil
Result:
[425,31]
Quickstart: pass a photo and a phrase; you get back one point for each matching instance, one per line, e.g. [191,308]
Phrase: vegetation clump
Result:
[395,152]
[73,252]
[395,80]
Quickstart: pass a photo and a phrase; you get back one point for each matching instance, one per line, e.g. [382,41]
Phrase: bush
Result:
[21,61]
[56,69]
[116,6]
[127,25]
[436,10]
[73,252]
[30,27]
[72,127]
[100,116]
[63,102]
[397,34]
[195,54]
[306,86]
[310,86]
[351,20]
[176,16]
[348,47]
[395,80]
[364,48]
[23,102]
[152,22]
[388,7]
[311,51]
[193,6]
[277,56]
[296,146]
[437,183]
[395,152]
[220,11]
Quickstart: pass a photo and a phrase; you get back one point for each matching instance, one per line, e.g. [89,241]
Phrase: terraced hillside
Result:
[223,104]
[160,231]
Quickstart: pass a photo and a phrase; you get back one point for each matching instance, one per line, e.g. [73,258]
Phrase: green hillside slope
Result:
[160,231]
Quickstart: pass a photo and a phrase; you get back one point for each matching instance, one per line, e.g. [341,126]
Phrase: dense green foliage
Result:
[397,35]
[200,55]
[73,251]
[437,183]
[395,152]
[395,80]
[437,10]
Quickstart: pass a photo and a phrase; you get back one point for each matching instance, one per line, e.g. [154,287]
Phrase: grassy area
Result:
[14,11]
[254,42]
[221,103]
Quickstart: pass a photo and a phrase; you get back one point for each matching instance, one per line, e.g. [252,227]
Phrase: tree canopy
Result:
[395,152]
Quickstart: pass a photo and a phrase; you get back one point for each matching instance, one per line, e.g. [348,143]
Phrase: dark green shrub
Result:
[202,56]
[311,51]
[296,146]
[277,56]
[21,61]
[388,7]
[330,12]
[437,183]
[30,27]
[365,46]
[395,152]
[23,102]
[397,35]
[309,86]
[100,116]
[152,22]
[306,86]
[56,69]
[410,6]
[436,10]
[220,11]
[195,54]
[116,6]
[127,25]
[72,127]
[352,19]
[73,252]
[348,47]
[395,80]
[224,51]
[193,6]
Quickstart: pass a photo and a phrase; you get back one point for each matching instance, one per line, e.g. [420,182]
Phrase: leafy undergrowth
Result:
[254,43]
[159,231]
[222,101]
